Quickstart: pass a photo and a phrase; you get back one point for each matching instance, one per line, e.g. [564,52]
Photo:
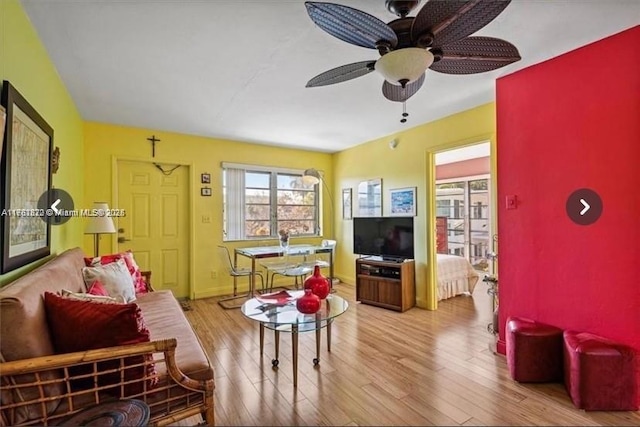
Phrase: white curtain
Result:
[235,204]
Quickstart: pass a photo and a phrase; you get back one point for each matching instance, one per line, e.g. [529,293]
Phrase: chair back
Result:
[308,255]
[330,243]
[225,259]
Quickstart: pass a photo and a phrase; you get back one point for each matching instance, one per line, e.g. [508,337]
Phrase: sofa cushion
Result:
[8,397]
[165,320]
[23,324]
[78,325]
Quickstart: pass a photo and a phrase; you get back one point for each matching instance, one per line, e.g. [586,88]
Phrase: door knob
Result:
[122,240]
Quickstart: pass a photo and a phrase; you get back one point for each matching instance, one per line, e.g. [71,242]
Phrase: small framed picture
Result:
[403,201]
[346,203]
[205,178]
[205,191]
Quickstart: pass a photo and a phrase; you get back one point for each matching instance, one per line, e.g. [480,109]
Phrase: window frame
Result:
[274,173]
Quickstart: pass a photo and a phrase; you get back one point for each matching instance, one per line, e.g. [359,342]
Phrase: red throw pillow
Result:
[97,288]
[77,325]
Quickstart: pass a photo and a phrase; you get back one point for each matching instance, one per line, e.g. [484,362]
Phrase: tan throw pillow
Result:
[89,297]
[115,278]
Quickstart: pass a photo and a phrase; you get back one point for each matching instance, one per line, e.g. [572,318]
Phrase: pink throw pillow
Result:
[97,288]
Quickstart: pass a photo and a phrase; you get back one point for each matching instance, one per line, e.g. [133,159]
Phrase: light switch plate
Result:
[511,201]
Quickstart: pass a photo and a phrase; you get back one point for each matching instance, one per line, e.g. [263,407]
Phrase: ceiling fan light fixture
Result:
[404,65]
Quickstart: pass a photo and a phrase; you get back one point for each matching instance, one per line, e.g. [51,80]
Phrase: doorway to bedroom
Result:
[462,225]
[463,205]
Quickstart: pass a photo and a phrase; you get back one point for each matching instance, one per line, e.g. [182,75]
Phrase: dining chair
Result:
[323,263]
[290,267]
[235,272]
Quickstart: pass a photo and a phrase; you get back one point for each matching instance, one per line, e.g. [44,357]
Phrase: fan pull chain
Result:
[404,112]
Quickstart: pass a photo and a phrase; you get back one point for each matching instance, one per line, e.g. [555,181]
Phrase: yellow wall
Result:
[25,63]
[406,166]
[106,143]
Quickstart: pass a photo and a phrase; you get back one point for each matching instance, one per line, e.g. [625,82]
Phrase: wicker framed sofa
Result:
[167,368]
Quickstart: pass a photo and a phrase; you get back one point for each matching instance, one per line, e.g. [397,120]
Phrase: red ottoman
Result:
[534,351]
[600,374]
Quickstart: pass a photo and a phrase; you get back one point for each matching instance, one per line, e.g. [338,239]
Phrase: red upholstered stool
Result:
[534,351]
[600,374]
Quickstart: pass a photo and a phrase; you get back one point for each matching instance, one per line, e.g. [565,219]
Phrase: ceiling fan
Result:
[438,37]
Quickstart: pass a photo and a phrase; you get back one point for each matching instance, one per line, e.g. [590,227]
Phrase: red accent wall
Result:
[569,123]
[470,167]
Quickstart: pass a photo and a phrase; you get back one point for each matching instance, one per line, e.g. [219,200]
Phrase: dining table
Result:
[256,253]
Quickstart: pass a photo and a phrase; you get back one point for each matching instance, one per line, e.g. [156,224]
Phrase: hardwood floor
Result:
[385,368]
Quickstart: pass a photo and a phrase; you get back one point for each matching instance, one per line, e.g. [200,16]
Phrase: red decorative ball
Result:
[318,284]
[308,303]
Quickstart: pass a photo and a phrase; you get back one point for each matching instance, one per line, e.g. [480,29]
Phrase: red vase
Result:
[308,303]
[318,284]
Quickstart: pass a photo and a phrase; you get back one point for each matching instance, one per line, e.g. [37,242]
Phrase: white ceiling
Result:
[237,69]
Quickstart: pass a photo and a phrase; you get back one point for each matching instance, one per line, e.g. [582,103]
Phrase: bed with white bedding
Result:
[455,276]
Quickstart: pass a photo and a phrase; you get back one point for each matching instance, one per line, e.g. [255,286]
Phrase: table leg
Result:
[331,269]
[235,278]
[275,361]
[261,339]
[252,278]
[294,344]
[329,322]
[317,359]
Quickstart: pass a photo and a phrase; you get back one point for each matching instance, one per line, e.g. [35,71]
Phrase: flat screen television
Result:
[388,237]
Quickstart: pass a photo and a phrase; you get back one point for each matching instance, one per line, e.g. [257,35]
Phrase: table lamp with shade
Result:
[98,225]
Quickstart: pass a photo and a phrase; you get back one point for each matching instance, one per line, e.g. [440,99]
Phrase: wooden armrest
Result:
[56,361]
[147,279]
[165,408]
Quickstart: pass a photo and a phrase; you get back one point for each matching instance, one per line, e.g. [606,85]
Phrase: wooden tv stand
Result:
[386,284]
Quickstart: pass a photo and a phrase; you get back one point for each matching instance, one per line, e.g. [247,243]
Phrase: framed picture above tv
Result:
[403,201]
[346,203]
[370,198]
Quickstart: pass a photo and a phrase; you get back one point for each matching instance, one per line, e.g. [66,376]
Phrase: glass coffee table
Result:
[281,315]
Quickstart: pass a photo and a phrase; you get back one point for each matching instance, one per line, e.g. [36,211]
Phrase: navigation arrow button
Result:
[586,207]
[54,206]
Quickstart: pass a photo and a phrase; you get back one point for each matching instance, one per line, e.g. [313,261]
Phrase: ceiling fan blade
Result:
[397,93]
[351,25]
[451,20]
[342,73]
[475,55]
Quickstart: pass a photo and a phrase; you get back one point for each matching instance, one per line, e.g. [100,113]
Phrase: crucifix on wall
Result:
[153,141]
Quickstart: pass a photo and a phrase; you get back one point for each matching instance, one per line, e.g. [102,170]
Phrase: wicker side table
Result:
[128,412]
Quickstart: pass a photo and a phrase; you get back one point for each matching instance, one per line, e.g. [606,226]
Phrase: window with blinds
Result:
[260,201]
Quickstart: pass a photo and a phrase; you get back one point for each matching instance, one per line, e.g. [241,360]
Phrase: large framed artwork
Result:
[26,178]
[403,201]
[3,119]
